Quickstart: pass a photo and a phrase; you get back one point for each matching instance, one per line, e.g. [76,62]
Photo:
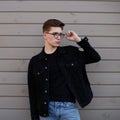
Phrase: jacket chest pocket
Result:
[39,73]
[75,66]
[40,70]
[72,65]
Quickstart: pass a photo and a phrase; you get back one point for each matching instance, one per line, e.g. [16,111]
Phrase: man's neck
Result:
[49,50]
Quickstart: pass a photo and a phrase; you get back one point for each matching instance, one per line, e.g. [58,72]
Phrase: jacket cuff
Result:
[35,118]
[84,42]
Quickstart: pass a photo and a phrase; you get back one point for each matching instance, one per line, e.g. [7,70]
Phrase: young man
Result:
[57,76]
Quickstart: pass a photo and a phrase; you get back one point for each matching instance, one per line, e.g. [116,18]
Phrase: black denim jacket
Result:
[72,63]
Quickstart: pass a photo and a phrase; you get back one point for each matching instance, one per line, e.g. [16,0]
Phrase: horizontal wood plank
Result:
[90,30]
[92,6]
[110,54]
[14,114]
[98,90]
[104,78]
[74,18]
[85,114]
[106,90]
[105,42]
[96,103]
[13,78]
[13,90]
[22,65]
[100,114]
[14,103]
[27,53]
[103,103]
[18,53]
[37,41]
[104,66]
[21,41]
[19,78]
[13,65]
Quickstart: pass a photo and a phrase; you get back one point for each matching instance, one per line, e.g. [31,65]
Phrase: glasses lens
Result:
[59,34]
[62,35]
[56,35]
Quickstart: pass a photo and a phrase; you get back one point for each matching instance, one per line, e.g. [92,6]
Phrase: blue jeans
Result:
[62,111]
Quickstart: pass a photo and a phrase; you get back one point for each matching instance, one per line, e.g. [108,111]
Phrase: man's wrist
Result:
[78,39]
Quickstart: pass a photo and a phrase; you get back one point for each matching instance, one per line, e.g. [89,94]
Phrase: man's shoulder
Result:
[69,48]
[35,58]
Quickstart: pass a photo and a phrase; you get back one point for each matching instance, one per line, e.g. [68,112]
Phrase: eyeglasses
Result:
[56,35]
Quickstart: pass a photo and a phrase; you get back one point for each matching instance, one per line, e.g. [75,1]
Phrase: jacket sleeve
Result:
[32,93]
[89,53]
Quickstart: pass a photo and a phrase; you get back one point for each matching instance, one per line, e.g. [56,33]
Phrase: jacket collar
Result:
[42,54]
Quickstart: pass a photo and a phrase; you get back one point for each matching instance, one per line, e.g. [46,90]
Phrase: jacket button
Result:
[46,67]
[38,73]
[44,114]
[45,91]
[45,103]
[72,64]
[46,79]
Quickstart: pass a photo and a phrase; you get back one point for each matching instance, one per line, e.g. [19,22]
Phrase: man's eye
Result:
[55,34]
[61,34]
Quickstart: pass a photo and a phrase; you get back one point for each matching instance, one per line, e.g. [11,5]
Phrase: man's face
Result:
[53,37]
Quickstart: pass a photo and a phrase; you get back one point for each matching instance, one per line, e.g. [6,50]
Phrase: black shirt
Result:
[58,89]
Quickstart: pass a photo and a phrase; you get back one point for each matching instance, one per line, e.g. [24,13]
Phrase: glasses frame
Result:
[56,35]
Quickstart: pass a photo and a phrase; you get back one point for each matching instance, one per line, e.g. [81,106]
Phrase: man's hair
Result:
[52,23]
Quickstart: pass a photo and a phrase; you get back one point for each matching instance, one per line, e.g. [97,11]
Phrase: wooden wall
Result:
[20,39]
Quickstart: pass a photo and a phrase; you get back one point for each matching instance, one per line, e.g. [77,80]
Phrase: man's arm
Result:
[32,94]
[89,53]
